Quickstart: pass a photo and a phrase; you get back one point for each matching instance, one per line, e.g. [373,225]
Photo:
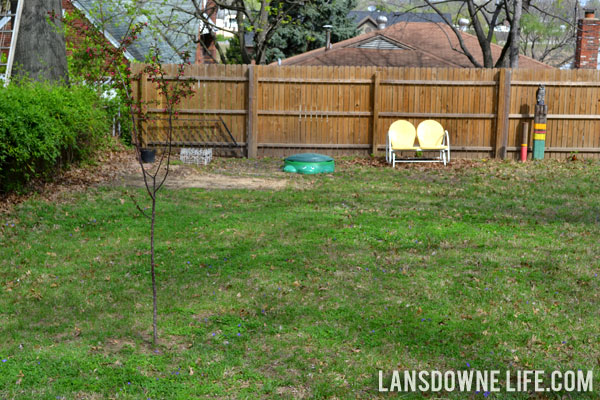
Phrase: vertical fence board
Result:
[375,117]
[503,112]
[251,122]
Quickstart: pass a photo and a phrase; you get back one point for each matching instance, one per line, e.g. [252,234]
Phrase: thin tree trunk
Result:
[515,32]
[486,51]
[241,33]
[260,34]
[152,270]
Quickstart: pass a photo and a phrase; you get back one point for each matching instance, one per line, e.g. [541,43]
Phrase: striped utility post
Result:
[539,125]
[524,140]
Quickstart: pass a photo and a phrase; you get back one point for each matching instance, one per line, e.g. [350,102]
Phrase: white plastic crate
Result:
[195,156]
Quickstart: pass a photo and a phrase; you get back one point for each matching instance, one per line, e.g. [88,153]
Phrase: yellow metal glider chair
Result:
[433,137]
[400,137]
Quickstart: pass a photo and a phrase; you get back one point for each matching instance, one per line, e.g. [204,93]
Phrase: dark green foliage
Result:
[44,128]
[304,31]
[233,52]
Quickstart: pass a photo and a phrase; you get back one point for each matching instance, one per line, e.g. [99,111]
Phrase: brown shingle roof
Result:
[428,45]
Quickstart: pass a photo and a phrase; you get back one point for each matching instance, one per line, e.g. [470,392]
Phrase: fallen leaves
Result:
[35,294]
[110,163]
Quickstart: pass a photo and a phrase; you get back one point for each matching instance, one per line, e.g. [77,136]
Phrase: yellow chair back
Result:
[430,134]
[402,135]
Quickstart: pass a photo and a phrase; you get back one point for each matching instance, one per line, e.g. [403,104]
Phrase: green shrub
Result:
[44,128]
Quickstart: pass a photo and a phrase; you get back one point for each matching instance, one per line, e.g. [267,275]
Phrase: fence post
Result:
[252,115]
[375,109]
[502,112]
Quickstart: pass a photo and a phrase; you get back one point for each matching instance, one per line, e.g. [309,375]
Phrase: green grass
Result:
[306,292]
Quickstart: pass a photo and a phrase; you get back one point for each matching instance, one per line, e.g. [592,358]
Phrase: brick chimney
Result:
[206,51]
[588,40]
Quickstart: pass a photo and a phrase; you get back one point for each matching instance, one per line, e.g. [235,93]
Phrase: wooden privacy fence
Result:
[272,110]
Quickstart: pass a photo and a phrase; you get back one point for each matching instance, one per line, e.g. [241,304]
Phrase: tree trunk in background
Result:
[41,52]
[515,32]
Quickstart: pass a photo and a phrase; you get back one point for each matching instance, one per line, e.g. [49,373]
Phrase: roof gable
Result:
[366,21]
[360,17]
[381,42]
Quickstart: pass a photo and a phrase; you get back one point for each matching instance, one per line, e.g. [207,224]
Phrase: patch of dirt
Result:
[144,344]
[293,392]
[114,345]
[188,176]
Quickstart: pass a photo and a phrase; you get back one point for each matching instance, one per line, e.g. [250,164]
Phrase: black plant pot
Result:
[148,155]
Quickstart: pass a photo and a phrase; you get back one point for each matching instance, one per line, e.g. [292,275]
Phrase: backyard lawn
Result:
[308,291]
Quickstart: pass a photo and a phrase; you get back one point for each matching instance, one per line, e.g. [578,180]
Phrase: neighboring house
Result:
[226,22]
[404,44]
[181,34]
[367,21]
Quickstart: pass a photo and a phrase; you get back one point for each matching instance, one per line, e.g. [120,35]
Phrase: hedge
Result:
[44,128]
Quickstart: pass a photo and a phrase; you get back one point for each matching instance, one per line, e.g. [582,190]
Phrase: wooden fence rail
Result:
[347,110]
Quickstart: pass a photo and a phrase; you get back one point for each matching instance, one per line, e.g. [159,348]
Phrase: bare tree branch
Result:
[554,16]
[262,21]
[134,200]
[458,34]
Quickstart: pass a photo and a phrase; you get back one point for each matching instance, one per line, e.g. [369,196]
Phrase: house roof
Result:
[360,17]
[170,42]
[418,44]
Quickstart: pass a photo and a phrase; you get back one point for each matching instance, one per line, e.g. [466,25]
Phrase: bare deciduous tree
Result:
[172,89]
[540,29]
[484,17]
[548,30]
[259,18]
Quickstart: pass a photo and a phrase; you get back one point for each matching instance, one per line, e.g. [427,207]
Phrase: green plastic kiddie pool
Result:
[309,163]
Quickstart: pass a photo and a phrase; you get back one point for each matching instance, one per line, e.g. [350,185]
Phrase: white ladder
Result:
[9,28]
